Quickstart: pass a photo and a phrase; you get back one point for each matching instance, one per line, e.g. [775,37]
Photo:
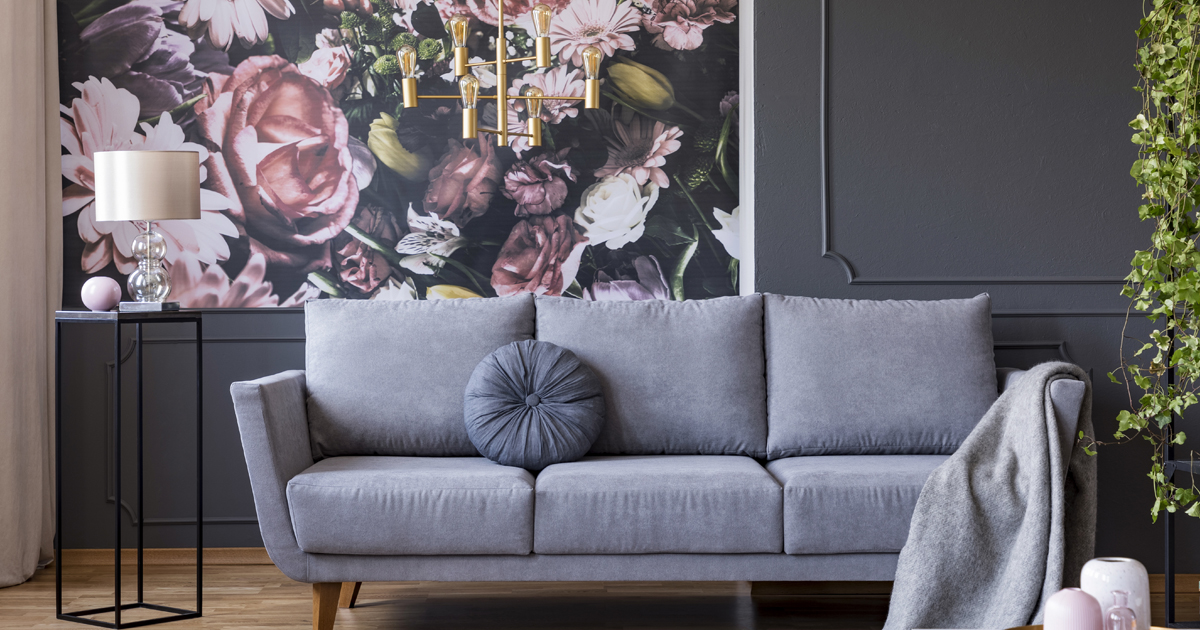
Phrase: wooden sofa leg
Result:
[349,594]
[325,604]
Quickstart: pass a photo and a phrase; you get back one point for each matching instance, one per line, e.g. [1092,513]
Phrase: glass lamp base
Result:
[147,307]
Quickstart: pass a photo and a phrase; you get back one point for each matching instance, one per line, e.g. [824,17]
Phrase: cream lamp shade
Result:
[147,185]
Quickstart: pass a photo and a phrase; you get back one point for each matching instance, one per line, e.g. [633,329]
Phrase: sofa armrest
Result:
[273,422]
[1066,395]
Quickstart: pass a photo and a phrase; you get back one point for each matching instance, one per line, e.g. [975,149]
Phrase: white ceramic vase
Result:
[1102,576]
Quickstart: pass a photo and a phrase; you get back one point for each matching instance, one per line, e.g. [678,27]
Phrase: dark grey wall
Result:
[971,147]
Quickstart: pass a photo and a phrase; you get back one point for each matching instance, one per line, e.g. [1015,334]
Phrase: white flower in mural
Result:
[223,19]
[197,287]
[485,74]
[613,210]
[395,291]
[105,119]
[429,237]
[729,232]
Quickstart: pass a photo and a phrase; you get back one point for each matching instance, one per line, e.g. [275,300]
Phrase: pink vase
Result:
[1073,609]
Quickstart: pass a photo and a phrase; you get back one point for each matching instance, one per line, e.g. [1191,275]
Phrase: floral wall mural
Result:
[318,183]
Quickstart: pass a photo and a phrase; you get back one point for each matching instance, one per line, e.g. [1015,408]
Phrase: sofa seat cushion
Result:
[850,503]
[658,504]
[412,506]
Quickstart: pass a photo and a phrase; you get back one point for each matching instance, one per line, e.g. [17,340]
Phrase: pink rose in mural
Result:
[358,6]
[605,24]
[463,183]
[539,185]
[680,24]
[281,145]
[327,66]
[541,256]
[354,261]
[193,286]
[105,119]
[640,147]
[222,20]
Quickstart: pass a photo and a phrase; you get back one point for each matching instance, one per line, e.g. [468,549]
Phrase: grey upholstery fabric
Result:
[271,420]
[387,378]
[412,505]
[859,377]
[658,504]
[531,404]
[678,377]
[644,567]
[1003,502]
[850,503]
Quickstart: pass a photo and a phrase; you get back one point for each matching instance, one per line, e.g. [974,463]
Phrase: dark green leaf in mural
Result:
[427,21]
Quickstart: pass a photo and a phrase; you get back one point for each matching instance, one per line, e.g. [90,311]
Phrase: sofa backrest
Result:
[876,377]
[679,377]
[387,378]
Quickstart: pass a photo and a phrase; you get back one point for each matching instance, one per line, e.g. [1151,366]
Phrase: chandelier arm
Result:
[520,59]
[456,97]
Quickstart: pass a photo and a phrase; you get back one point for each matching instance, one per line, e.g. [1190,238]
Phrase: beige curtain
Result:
[30,281]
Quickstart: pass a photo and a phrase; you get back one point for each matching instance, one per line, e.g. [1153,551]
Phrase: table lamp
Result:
[148,186]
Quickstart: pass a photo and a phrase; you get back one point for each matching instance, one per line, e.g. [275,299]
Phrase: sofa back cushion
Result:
[678,377]
[860,377]
[387,378]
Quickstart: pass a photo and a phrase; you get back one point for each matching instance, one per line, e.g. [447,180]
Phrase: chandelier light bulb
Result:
[591,62]
[459,26]
[541,15]
[408,61]
[468,86]
[533,101]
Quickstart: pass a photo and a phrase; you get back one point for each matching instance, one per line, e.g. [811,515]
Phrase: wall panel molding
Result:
[852,274]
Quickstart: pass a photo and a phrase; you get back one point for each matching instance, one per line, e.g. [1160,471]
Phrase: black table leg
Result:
[117,470]
[58,503]
[199,467]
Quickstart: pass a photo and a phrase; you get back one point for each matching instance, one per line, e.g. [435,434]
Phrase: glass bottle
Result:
[1119,616]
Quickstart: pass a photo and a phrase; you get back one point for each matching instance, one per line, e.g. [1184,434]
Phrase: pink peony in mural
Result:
[317,183]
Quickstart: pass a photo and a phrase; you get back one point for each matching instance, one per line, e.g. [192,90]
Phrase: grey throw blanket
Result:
[996,530]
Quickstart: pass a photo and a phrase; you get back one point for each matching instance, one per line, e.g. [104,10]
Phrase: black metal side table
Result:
[116,320]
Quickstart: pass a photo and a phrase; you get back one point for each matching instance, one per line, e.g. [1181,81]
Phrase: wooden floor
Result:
[262,597]
[259,596]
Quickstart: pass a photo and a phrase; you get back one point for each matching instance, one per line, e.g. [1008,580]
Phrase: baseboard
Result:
[213,556]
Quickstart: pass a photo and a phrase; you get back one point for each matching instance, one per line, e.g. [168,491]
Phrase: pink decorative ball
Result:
[101,293]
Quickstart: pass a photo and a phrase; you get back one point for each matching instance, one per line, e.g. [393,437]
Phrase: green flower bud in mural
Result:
[640,85]
[429,49]
[351,19]
[386,65]
[382,141]
[402,40]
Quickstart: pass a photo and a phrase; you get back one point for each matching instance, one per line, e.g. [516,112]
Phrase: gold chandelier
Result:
[468,84]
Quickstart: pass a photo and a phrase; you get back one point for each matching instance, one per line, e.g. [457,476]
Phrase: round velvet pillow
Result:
[531,404]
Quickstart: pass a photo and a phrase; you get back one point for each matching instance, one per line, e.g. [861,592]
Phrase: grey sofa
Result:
[759,438]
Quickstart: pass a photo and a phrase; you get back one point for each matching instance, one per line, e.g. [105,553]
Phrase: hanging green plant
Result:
[1163,373]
